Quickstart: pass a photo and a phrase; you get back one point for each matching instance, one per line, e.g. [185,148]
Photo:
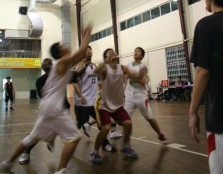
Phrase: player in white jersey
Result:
[136,95]
[112,93]
[86,90]
[53,119]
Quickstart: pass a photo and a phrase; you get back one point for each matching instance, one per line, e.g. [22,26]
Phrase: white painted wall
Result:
[52,32]
[154,36]
[157,68]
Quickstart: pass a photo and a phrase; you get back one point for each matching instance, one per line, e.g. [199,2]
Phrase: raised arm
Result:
[70,60]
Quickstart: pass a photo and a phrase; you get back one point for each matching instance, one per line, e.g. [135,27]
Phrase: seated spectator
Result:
[179,89]
[171,90]
[188,89]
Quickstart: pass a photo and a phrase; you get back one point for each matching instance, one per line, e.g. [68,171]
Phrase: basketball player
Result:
[85,95]
[136,95]
[9,93]
[207,56]
[53,119]
[46,66]
[112,92]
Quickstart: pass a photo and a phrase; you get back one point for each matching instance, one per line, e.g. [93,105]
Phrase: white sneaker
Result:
[62,171]
[87,128]
[115,134]
[6,166]
[24,159]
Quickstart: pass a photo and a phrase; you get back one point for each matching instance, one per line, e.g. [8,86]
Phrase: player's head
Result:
[8,78]
[109,54]
[89,53]
[210,3]
[57,50]
[139,53]
[46,65]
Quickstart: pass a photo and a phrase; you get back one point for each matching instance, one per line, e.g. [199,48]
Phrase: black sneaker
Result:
[11,108]
[95,158]
[6,109]
[130,153]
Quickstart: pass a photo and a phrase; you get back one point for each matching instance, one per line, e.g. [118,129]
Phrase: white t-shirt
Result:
[133,87]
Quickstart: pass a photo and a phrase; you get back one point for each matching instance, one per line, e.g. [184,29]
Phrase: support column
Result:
[185,37]
[114,22]
[66,28]
[78,11]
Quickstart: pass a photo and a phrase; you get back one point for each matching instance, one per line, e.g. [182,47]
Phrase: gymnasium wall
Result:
[154,35]
[24,79]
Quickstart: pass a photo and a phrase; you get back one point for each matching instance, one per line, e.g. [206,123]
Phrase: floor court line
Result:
[135,138]
[152,142]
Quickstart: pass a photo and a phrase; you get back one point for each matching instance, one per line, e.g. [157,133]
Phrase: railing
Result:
[20,54]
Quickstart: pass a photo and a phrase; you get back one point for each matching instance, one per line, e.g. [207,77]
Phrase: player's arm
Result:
[81,69]
[100,69]
[79,94]
[140,78]
[68,61]
[5,89]
[39,87]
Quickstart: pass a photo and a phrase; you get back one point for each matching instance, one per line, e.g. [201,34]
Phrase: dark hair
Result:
[8,77]
[142,50]
[105,53]
[89,47]
[55,50]
[218,3]
[46,65]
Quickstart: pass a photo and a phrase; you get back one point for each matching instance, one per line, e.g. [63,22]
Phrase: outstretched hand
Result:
[86,35]
[194,124]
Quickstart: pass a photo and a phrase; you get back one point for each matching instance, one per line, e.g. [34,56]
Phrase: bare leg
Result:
[18,151]
[67,153]
[101,136]
[127,126]
[153,123]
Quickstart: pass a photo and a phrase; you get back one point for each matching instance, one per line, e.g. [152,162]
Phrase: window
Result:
[123,25]
[20,48]
[192,1]
[155,13]
[92,38]
[96,36]
[146,16]
[176,62]
[111,28]
[174,5]
[130,23]
[165,9]
[138,19]
[104,33]
[99,35]
[109,31]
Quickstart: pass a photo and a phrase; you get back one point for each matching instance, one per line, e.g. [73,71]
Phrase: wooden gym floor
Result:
[181,156]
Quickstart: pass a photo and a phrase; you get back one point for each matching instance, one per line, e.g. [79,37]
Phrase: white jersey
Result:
[88,84]
[112,91]
[54,91]
[133,87]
